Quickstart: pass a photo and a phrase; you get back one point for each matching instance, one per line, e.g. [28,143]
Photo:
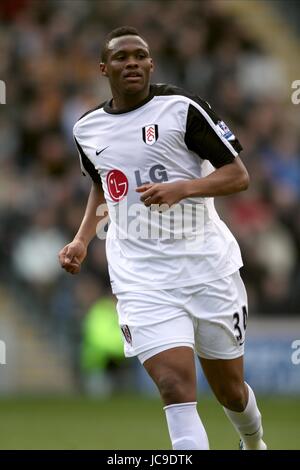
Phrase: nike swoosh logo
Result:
[100,151]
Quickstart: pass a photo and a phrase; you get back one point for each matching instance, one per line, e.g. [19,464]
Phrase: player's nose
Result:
[131,62]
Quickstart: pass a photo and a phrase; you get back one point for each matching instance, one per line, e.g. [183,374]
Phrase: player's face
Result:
[129,65]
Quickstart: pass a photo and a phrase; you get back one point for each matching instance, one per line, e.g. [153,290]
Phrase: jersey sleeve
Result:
[208,136]
[86,165]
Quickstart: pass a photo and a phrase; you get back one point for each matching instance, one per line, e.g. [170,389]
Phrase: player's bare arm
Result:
[228,179]
[73,254]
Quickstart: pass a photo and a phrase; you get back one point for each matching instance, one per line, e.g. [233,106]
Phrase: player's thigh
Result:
[173,371]
[225,377]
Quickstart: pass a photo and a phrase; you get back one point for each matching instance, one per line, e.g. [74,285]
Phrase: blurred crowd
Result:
[49,60]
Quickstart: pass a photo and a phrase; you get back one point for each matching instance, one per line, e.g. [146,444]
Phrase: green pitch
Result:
[129,422]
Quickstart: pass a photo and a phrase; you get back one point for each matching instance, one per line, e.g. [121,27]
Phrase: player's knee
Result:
[233,397]
[174,389]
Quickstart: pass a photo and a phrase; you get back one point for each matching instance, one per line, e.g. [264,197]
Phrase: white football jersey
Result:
[170,136]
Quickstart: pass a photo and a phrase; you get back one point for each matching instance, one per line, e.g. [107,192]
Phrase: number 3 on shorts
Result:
[240,325]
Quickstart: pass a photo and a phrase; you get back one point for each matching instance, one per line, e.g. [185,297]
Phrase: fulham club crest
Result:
[126,332]
[150,134]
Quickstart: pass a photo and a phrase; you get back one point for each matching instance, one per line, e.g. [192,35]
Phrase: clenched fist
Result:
[72,255]
[162,193]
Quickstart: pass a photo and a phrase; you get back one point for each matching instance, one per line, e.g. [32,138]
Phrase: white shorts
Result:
[210,317]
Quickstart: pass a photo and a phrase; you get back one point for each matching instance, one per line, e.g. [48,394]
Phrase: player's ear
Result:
[152,66]
[103,69]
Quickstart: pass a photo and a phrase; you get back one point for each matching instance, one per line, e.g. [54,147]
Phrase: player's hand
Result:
[72,255]
[162,193]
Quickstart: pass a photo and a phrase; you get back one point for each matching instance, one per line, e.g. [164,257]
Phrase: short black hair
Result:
[117,33]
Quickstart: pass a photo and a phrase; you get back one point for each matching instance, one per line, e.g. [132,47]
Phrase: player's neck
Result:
[128,101]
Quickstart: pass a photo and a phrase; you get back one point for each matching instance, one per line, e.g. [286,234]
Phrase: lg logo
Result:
[295,357]
[157,174]
[117,182]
